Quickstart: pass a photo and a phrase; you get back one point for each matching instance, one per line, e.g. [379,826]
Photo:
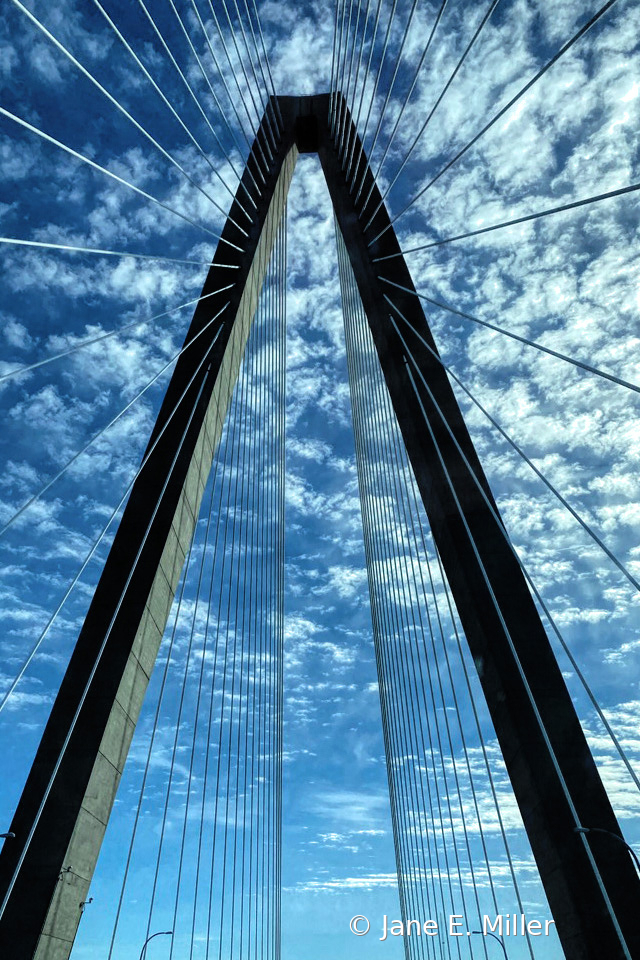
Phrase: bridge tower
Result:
[591,885]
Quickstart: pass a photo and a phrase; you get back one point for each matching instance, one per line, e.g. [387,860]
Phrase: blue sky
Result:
[570,282]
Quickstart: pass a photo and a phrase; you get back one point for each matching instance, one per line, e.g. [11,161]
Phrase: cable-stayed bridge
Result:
[509,764]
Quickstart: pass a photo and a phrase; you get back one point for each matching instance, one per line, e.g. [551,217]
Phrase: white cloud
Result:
[568,281]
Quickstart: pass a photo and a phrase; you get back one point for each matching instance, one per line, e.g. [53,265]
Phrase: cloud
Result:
[567,281]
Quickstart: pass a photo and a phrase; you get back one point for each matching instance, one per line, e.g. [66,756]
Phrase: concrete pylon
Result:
[553,774]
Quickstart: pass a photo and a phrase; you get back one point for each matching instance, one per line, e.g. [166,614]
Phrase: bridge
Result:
[152,709]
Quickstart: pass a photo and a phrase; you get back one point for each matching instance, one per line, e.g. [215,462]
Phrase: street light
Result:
[160,933]
[610,833]
[495,937]
[84,903]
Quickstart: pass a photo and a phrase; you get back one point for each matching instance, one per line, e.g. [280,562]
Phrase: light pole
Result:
[160,933]
[610,833]
[495,937]
[82,906]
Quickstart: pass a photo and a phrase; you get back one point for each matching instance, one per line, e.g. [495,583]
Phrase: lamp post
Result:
[495,937]
[616,836]
[160,933]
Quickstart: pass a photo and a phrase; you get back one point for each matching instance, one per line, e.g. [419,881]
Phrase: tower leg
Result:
[62,816]
[553,774]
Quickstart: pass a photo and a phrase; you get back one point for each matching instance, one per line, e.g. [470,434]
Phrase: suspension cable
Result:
[259,147]
[403,783]
[205,76]
[333,80]
[435,106]
[270,100]
[518,664]
[72,460]
[574,204]
[351,127]
[152,740]
[116,103]
[96,543]
[94,668]
[266,60]
[385,45]
[106,336]
[69,248]
[567,46]
[396,68]
[529,694]
[347,88]
[266,112]
[168,103]
[342,103]
[221,580]
[404,626]
[581,521]
[202,111]
[514,336]
[113,176]
[364,87]
[406,102]
[247,81]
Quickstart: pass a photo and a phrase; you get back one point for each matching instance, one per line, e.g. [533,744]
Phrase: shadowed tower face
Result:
[416,466]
